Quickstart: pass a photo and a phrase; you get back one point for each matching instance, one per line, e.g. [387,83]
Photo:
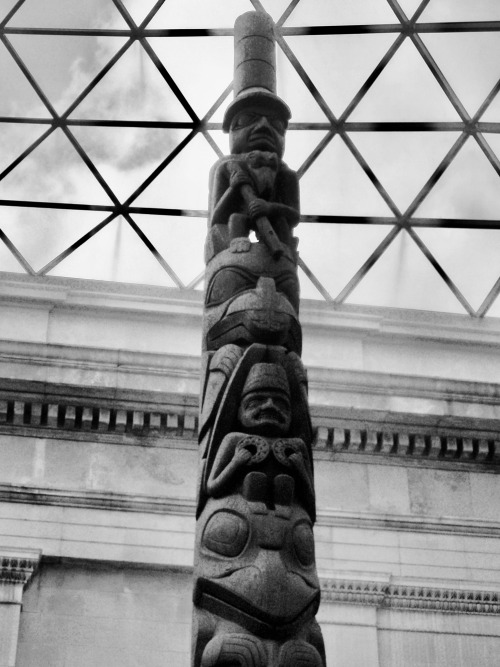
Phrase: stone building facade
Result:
[98,420]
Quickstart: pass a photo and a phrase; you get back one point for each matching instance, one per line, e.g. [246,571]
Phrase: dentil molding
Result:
[17,567]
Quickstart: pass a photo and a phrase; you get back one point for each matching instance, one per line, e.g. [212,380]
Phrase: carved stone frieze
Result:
[118,419]
[443,599]
[411,597]
[17,567]
[88,416]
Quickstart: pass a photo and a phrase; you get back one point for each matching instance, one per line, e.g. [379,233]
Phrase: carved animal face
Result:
[250,298]
[258,560]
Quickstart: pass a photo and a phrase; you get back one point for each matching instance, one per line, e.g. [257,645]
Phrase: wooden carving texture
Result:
[256,590]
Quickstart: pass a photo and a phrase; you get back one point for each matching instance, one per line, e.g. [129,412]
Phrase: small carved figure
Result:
[253,188]
[264,414]
[255,413]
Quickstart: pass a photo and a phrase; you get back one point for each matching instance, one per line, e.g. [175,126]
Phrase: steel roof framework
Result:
[406,28]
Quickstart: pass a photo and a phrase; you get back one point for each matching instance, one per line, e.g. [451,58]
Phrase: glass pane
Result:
[199,13]
[203,78]
[115,253]
[335,184]
[221,139]
[63,66]
[494,310]
[18,97]
[184,182]
[406,90]
[53,172]
[294,91]
[334,252]
[492,113]
[300,144]
[470,62]
[410,6]
[180,240]
[338,65]
[469,188]
[126,156]
[404,278]
[42,234]
[340,12]
[138,9]
[469,257]
[7,260]
[308,290]
[5,7]
[493,141]
[66,14]
[414,154]
[133,89]
[15,138]
[462,10]
[275,7]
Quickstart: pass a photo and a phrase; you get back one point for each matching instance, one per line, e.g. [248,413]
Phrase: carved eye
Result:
[226,534]
[246,118]
[226,283]
[278,124]
[303,541]
[243,119]
[287,284]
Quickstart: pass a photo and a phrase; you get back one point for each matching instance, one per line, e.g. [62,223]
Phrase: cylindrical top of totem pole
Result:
[254,67]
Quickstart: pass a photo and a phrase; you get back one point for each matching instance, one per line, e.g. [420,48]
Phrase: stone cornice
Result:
[411,596]
[57,358]
[99,500]
[41,409]
[161,301]
[100,416]
[407,523]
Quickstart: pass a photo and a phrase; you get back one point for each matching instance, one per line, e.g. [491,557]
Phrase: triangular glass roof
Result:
[111,117]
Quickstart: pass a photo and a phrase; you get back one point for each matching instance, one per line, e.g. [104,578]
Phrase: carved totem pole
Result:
[256,590]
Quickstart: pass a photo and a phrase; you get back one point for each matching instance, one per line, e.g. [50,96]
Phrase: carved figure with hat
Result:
[253,188]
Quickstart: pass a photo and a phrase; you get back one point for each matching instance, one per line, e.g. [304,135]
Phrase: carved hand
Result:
[259,208]
[297,461]
[241,457]
[239,177]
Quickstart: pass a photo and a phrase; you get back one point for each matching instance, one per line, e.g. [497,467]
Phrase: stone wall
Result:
[98,405]
[105,615]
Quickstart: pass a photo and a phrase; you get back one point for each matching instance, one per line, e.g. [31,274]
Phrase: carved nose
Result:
[266,289]
[268,403]
[263,122]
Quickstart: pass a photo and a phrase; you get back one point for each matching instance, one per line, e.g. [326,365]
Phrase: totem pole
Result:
[256,590]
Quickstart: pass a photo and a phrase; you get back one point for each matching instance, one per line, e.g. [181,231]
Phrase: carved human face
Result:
[266,412]
[256,128]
